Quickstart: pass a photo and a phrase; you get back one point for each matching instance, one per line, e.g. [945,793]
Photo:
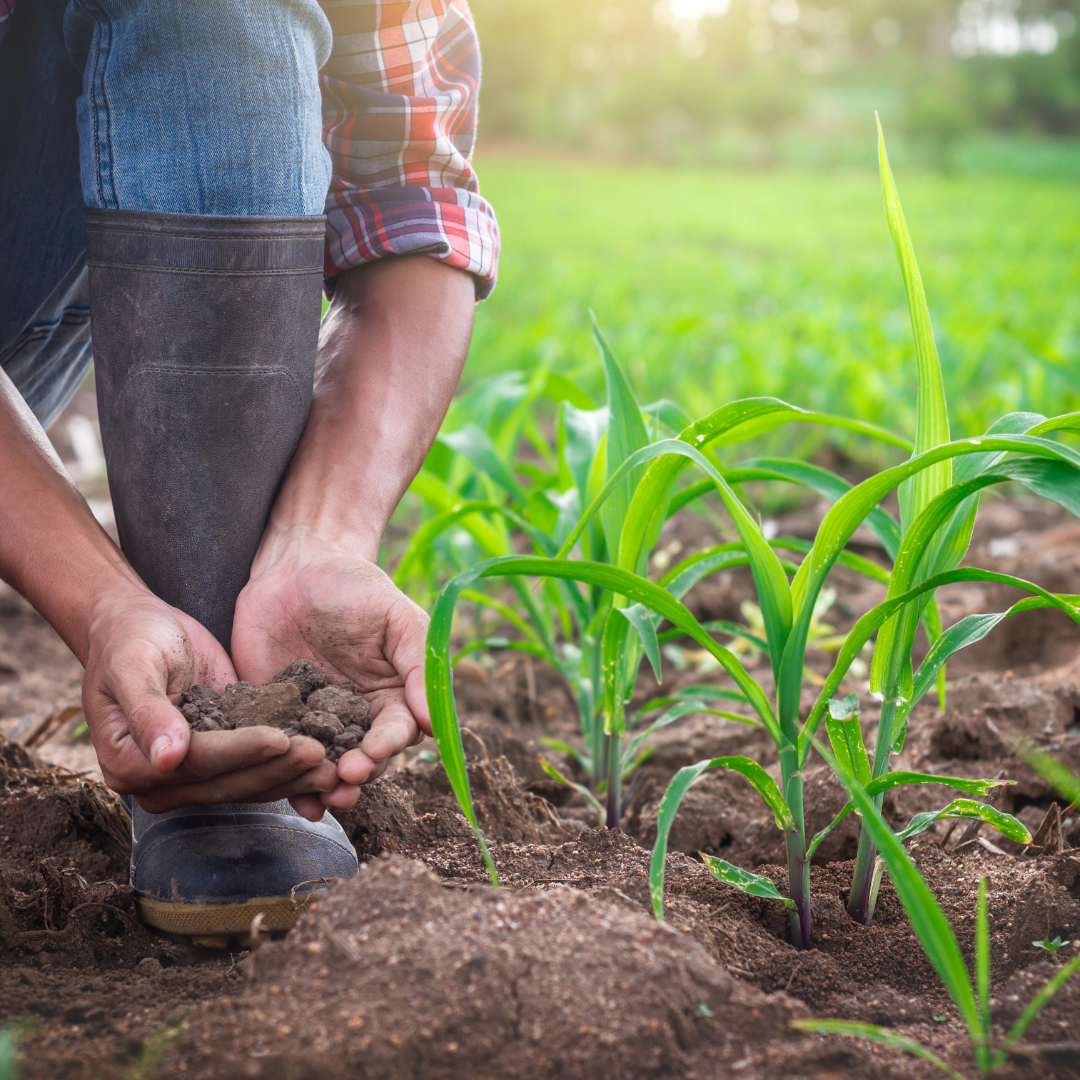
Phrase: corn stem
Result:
[795,841]
[859,902]
[614,780]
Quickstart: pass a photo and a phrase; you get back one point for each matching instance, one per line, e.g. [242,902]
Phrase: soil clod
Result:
[296,700]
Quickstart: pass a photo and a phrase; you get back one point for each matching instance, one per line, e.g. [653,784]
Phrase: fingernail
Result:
[159,746]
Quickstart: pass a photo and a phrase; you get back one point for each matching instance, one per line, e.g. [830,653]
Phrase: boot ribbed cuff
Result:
[140,240]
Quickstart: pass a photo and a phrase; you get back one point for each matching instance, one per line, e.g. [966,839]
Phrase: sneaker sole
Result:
[215,925]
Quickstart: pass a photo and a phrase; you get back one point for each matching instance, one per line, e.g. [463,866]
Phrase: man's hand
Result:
[142,655]
[346,616]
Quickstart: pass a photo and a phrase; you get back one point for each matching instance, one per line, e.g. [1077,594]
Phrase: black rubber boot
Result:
[204,336]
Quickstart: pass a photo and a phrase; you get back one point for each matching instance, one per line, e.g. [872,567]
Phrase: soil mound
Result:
[296,700]
[433,982]
[64,847]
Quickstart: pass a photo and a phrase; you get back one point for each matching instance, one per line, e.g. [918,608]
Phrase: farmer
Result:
[165,169]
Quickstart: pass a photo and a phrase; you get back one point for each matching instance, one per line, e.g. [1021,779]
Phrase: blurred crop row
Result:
[719,284]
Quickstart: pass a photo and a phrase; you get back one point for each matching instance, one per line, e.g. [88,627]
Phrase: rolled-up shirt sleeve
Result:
[399,119]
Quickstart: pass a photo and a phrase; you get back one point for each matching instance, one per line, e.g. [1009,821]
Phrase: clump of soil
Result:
[297,700]
[417,980]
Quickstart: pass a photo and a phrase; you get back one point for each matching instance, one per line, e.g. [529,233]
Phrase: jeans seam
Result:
[97,84]
[42,332]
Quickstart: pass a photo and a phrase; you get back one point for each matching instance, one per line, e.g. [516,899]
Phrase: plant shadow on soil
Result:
[417,968]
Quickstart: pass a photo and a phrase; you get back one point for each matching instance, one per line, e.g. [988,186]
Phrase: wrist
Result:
[290,543]
[96,595]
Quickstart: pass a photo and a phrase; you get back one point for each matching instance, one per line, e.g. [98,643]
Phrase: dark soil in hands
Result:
[297,700]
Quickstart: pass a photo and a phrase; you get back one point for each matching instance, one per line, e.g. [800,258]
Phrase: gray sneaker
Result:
[206,872]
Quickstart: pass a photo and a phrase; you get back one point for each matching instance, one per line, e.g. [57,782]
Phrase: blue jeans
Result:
[185,108]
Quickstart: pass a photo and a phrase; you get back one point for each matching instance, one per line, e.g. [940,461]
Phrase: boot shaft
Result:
[204,331]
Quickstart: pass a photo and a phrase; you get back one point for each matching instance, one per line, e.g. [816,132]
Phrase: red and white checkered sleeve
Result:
[399,119]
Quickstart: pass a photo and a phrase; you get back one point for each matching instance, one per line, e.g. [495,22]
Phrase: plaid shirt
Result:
[399,119]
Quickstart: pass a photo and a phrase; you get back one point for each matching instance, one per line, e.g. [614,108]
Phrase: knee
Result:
[211,108]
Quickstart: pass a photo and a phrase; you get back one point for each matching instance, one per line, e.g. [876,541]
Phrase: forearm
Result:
[52,550]
[392,348]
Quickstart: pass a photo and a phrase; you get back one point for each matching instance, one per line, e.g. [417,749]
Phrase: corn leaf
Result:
[815,842]
[511,616]
[560,388]
[1065,422]
[845,735]
[688,693]
[619,663]
[733,422]
[743,880]
[581,789]
[855,1029]
[921,822]
[923,911]
[955,536]
[959,783]
[1005,824]
[497,642]
[474,444]
[734,630]
[1060,481]
[932,417]
[440,496]
[680,783]
[671,415]
[580,433]
[626,434]
[638,616]
[425,536]
[437,670]
[770,578]
[668,716]
[982,956]
[1051,479]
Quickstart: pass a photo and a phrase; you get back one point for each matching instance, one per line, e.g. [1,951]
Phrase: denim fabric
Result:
[180,108]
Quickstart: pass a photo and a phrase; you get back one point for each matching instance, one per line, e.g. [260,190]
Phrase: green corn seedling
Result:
[971,996]
[605,616]
[482,498]
[937,513]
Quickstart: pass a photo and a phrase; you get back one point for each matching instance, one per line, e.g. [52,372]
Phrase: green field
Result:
[715,285]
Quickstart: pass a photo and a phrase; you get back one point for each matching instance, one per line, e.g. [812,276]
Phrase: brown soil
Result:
[418,968]
[296,700]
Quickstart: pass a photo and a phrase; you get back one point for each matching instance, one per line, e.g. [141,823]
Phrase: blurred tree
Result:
[704,80]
